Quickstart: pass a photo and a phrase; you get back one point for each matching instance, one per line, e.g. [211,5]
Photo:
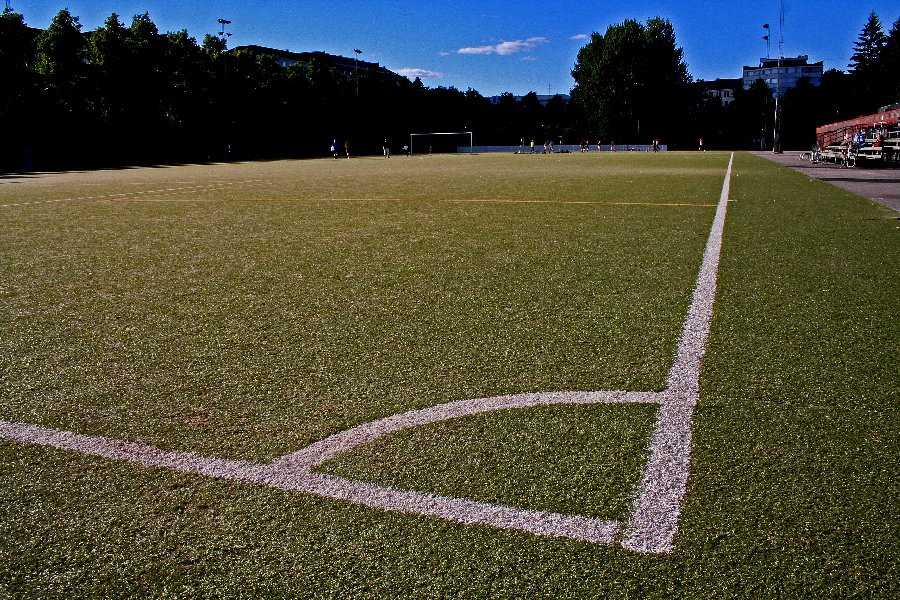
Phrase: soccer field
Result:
[243,312]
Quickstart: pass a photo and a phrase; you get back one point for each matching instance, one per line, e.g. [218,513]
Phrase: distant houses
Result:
[343,66]
[544,99]
[722,89]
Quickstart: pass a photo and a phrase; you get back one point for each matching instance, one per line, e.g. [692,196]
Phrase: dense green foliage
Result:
[129,94]
[633,81]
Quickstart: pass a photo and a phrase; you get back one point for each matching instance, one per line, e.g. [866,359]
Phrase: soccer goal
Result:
[441,142]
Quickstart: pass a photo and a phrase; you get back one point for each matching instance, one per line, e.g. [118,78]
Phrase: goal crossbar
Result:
[412,137]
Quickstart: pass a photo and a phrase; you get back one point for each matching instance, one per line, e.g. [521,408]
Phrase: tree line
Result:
[632,82]
[128,94]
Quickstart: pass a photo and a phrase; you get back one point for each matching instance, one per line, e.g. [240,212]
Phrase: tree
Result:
[753,116]
[507,128]
[798,118]
[109,56]
[663,102]
[64,104]
[837,99]
[62,60]
[890,58]
[188,101]
[868,47]
[865,63]
[714,120]
[556,115]
[19,89]
[631,83]
[532,118]
[16,57]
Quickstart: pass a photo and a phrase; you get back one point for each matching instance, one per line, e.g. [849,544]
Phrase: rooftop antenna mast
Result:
[781,32]
[766,37]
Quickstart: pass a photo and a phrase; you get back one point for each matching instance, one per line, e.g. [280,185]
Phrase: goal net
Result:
[441,142]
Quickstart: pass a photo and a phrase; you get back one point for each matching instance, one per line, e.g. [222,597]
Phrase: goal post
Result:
[441,141]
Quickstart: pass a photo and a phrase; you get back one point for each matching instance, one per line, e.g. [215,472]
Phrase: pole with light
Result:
[224,36]
[776,134]
[356,54]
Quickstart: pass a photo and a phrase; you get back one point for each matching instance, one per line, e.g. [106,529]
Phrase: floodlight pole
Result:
[225,36]
[356,53]
[776,133]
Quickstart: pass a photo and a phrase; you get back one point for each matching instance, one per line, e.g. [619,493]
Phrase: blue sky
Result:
[499,46]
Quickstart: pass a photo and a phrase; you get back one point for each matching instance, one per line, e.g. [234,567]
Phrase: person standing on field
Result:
[334,149]
[386,148]
[347,148]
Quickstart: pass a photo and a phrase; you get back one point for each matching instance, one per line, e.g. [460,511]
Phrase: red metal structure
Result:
[835,133]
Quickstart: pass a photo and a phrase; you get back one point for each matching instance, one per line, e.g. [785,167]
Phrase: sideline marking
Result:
[658,499]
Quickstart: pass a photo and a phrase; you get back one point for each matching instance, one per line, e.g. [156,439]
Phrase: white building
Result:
[783,73]
[721,89]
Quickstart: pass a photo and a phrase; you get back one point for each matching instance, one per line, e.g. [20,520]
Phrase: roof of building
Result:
[797,61]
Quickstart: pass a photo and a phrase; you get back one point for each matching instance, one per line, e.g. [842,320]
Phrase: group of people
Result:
[548,147]
[386,148]
[335,148]
[586,145]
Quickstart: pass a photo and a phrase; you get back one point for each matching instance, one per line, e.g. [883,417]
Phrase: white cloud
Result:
[505,48]
[579,37]
[412,73]
[477,50]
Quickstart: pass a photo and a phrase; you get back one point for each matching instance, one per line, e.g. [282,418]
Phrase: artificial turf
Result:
[248,310]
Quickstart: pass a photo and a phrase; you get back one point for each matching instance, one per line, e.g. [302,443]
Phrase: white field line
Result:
[658,499]
[657,507]
[138,195]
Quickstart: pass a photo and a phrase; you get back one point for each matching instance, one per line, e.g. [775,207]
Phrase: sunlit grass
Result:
[251,320]
[276,303]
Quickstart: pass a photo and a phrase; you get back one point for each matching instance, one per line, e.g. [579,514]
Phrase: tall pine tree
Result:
[890,59]
[865,64]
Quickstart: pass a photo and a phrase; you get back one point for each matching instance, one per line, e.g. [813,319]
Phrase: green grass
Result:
[248,320]
[568,459]
[251,323]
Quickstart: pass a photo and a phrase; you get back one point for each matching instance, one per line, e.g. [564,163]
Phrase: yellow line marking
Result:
[586,202]
[180,191]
